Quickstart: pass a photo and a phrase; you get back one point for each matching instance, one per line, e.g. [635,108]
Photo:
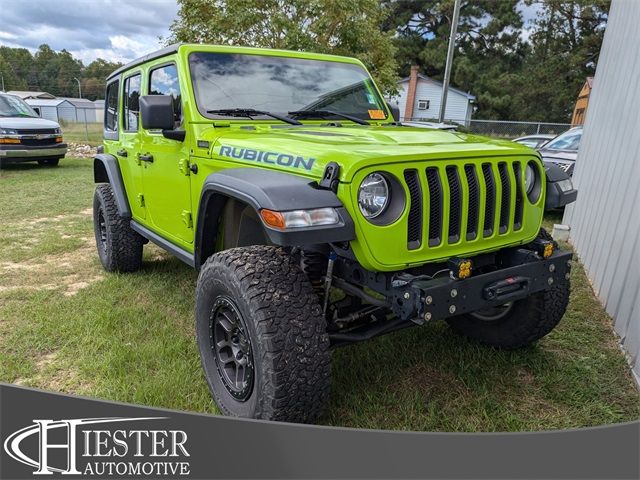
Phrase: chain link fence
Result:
[505,128]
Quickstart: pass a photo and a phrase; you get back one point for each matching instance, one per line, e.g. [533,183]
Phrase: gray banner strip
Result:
[204,446]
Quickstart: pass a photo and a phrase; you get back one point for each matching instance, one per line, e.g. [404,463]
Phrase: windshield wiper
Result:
[250,112]
[325,113]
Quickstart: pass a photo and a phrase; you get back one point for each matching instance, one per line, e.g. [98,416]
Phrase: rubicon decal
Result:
[274,158]
[101,447]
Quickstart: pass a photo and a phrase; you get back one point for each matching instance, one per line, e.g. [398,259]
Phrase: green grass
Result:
[66,325]
[90,133]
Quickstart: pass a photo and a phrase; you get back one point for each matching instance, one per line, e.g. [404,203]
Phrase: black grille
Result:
[38,143]
[455,203]
[490,206]
[37,131]
[506,197]
[414,229]
[474,201]
[517,219]
[435,206]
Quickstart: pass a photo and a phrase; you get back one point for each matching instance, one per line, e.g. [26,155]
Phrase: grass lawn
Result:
[66,325]
[90,133]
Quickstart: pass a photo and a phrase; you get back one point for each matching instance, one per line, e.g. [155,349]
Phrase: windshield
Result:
[281,85]
[12,106]
[569,140]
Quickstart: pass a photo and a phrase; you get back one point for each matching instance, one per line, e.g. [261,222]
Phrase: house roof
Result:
[26,94]
[79,102]
[451,89]
[44,102]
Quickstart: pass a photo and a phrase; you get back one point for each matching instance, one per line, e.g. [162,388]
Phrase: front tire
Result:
[520,323]
[262,336]
[119,246]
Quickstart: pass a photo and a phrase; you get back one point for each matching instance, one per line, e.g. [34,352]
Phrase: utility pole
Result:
[2,77]
[447,68]
[79,88]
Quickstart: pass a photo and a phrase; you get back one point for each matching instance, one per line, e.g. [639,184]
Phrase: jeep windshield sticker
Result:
[274,158]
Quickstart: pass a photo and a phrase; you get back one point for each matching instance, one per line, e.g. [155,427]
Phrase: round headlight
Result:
[373,196]
[529,178]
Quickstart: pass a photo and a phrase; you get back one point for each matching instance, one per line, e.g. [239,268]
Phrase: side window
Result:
[164,81]
[131,103]
[111,107]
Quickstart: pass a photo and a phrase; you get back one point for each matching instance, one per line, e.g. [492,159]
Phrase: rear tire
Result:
[261,296]
[49,162]
[523,322]
[119,246]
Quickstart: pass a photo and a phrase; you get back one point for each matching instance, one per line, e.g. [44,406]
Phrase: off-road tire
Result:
[121,249]
[49,162]
[529,320]
[286,332]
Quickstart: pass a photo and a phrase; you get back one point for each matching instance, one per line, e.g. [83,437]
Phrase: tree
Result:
[488,46]
[564,51]
[326,26]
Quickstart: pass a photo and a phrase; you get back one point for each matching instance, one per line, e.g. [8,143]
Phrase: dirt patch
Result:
[70,271]
[51,374]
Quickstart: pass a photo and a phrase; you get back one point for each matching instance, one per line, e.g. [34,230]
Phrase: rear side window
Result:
[131,103]
[111,107]
[164,81]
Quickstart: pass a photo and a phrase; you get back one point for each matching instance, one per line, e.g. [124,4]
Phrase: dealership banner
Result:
[61,436]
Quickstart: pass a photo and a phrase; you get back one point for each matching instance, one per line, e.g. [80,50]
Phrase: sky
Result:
[116,30]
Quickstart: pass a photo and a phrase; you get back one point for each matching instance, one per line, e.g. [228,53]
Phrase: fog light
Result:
[460,268]
[544,248]
[300,218]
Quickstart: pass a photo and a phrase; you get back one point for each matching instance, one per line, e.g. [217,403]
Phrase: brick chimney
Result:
[411,93]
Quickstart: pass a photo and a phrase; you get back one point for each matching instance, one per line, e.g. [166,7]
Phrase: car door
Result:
[167,188]
[129,145]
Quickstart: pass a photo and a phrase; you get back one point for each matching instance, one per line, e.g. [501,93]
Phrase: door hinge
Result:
[187,168]
[183,165]
[141,200]
[187,219]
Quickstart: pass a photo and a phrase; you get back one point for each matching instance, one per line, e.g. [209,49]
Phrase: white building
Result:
[55,109]
[605,223]
[419,99]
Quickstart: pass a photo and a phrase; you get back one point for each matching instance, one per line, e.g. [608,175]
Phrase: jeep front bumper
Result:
[421,299]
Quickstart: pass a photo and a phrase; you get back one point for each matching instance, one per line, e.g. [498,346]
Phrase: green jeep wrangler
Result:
[315,219]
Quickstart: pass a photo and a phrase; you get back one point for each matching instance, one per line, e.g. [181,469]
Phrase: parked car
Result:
[319,189]
[534,141]
[563,149]
[25,137]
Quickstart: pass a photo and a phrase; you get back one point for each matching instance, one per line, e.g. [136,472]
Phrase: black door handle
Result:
[121,153]
[146,157]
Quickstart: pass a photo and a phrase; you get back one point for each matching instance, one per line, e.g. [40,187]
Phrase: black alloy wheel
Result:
[231,348]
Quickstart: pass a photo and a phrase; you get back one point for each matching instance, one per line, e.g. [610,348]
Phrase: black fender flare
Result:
[556,196]
[107,170]
[272,190]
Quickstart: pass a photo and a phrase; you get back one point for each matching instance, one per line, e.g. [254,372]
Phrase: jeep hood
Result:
[352,147]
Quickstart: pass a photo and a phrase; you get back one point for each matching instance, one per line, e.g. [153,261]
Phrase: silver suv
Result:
[24,136]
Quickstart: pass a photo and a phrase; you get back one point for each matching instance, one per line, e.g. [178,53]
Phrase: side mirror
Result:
[37,110]
[156,112]
[395,111]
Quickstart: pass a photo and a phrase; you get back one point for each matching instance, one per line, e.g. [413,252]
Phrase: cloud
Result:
[116,30]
